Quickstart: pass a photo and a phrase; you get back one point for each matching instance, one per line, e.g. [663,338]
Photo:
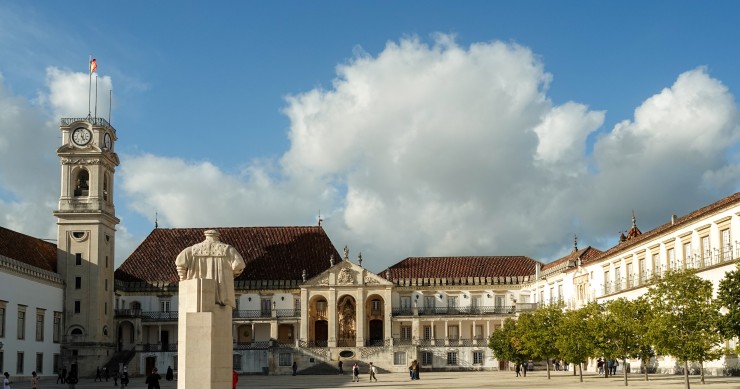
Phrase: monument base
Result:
[204,340]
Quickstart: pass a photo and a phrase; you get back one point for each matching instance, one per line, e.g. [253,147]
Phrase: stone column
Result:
[361,318]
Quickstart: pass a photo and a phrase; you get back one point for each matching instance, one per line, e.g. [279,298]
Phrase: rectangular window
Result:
[40,327]
[560,292]
[78,259]
[686,256]
[477,357]
[2,323]
[406,302]
[106,284]
[297,305]
[285,359]
[78,282]
[726,249]
[2,358]
[376,305]
[706,251]
[105,308]
[405,333]
[429,302]
[453,332]
[237,362]
[57,361]
[426,358]
[174,363]
[57,336]
[266,306]
[477,331]
[428,333]
[39,363]
[164,305]
[452,358]
[19,363]
[399,358]
[607,282]
[21,322]
[78,306]
[671,260]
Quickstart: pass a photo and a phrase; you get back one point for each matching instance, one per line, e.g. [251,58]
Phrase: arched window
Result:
[82,187]
[105,187]
[76,331]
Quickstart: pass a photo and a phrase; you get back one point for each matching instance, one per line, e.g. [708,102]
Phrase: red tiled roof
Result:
[270,253]
[585,254]
[665,228]
[446,267]
[29,250]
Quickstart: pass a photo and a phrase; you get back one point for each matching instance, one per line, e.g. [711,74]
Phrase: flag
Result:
[93,65]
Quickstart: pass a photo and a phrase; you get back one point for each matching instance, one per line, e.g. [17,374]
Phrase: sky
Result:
[413,128]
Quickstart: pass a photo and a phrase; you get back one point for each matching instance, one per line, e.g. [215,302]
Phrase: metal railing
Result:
[468,310]
[442,342]
[146,315]
[159,347]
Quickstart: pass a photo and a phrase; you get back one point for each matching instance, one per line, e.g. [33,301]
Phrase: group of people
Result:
[70,378]
[557,363]
[414,369]
[607,366]
[372,370]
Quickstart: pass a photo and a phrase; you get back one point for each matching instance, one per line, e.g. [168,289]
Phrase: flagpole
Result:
[89,85]
[96,96]
[110,103]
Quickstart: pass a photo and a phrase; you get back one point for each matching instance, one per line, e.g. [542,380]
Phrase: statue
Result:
[215,260]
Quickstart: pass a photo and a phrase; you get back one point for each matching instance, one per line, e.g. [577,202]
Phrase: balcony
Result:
[146,315]
[465,311]
[442,342]
[154,347]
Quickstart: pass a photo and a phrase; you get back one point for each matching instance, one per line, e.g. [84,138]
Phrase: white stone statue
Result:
[212,259]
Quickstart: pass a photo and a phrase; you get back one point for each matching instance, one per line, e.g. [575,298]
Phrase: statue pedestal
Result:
[204,339]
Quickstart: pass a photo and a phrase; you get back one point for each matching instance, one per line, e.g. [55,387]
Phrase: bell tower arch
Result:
[86,226]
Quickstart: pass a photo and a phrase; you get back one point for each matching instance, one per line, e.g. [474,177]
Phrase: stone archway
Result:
[375,319]
[346,321]
[318,322]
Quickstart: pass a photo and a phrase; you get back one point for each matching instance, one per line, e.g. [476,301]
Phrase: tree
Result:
[728,298]
[575,340]
[685,323]
[626,327]
[539,332]
[506,345]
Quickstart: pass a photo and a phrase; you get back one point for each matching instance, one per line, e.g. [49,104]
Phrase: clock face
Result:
[107,141]
[81,136]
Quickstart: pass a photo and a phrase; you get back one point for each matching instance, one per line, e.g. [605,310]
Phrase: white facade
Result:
[30,327]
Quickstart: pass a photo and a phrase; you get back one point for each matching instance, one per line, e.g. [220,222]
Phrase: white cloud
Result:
[424,149]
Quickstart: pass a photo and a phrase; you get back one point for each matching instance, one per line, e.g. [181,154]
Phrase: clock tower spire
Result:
[86,227]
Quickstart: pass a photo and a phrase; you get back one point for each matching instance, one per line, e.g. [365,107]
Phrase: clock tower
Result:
[86,228]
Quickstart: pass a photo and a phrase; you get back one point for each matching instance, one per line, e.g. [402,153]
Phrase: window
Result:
[40,325]
[426,357]
[39,363]
[2,320]
[57,361]
[78,306]
[560,292]
[78,282]
[671,260]
[399,358]
[477,357]
[57,335]
[724,241]
[174,362]
[297,305]
[376,305]
[428,333]
[266,306]
[706,251]
[452,357]
[405,333]
[81,187]
[106,284]
[477,331]
[285,359]
[19,363]
[21,322]
[78,259]
[2,358]
[687,255]
[164,305]
[452,302]
[406,302]
[237,361]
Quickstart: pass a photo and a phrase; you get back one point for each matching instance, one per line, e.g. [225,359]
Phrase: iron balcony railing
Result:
[462,311]
[442,342]
[159,347]
[146,315]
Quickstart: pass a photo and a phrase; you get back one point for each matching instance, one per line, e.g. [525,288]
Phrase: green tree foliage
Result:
[728,297]
[506,345]
[685,320]
[625,330]
[539,332]
[576,334]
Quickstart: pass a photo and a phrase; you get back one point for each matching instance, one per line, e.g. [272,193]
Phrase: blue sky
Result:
[251,93]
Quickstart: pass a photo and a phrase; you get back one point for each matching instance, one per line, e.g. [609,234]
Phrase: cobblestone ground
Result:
[471,380]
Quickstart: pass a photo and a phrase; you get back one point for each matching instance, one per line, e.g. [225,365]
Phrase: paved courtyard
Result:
[436,380]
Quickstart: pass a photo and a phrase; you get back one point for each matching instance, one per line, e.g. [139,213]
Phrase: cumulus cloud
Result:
[429,149]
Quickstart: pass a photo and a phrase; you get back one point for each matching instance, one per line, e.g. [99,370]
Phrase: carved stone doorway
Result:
[321,332]
[347,325]
[375,333]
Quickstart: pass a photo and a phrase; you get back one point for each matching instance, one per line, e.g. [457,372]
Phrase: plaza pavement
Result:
[537,379]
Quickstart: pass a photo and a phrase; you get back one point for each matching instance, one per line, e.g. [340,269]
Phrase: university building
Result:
[299,299]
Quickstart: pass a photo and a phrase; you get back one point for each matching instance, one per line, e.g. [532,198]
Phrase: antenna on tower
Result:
[320,219]
[156,220]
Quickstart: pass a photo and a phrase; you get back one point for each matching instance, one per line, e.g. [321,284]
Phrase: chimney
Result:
[673,219]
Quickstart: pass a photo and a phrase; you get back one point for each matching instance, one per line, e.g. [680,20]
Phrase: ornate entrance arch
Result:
[347,321]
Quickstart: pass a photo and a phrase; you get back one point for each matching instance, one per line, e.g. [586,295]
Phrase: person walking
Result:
[340,364]
[518,369]
[97,375]
[234,379]
[170,374]
[115,378]
[416,369]
[124,378]
[295,368]
[6,380]
[412,367]
[34,380]
[71,379]
[355,373]
[372,373]
[153,379]
[61,374]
